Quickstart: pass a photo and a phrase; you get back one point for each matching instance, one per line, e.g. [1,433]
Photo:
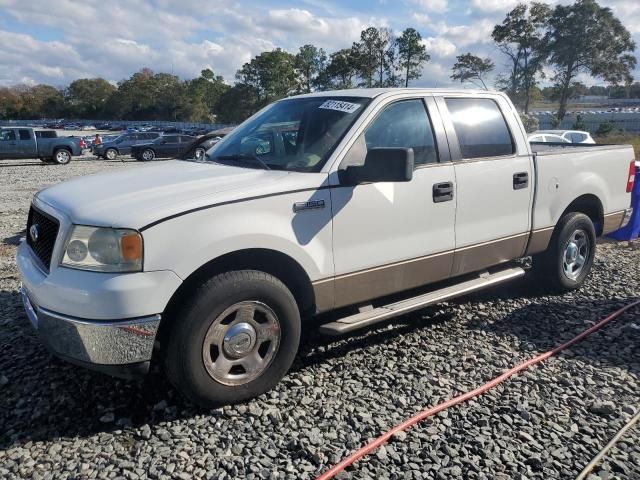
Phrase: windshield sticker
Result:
[340,106]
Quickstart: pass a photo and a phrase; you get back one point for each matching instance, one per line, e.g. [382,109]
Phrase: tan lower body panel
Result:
[476,257]
[612,222]
[358,287]
[539,240]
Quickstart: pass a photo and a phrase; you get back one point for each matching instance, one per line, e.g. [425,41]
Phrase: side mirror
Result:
[381,165]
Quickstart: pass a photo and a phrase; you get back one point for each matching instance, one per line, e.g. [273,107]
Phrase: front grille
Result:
[47,232]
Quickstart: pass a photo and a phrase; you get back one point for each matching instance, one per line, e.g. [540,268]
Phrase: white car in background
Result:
[572,136]
[546,138]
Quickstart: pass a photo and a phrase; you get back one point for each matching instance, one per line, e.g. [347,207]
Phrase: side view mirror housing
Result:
[381,165]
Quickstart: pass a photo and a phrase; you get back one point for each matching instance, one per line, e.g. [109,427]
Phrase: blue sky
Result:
[57,41]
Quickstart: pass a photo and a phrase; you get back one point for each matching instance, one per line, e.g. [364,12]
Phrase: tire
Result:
[199,153]
[148,155]
[61,156]
[111,154]
[560,266]
[211,349]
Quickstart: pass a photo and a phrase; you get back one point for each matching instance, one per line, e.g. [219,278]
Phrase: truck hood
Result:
[135,197]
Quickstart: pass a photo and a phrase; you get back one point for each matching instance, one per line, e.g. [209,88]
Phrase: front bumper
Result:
[95,344]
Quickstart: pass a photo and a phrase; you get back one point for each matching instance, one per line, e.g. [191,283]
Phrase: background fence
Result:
[625,121]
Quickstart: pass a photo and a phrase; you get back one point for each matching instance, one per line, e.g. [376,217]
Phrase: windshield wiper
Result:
[243,156]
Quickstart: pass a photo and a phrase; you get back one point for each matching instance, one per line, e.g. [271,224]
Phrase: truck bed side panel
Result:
[564,174]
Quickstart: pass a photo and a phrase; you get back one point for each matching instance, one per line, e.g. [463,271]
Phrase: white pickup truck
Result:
[367,203]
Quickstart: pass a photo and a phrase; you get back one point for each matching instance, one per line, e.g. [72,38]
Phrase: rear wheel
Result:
[569,258]
[110,154]
[199,153]
[62,156]
[234,339]
[148,155]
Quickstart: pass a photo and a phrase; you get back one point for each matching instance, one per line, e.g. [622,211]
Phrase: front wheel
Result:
[568,260]
[234,339]
[62,156]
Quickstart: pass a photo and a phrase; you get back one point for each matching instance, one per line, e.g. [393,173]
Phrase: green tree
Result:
[365,54]
[202,96]
[412,54]
[310,62]
[341,69]
[237,103]
[471,68]
[392,65]
[272,74]
[522,38]
[150,96]
[87,97]
[587,38]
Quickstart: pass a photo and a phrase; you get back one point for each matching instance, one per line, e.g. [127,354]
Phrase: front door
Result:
[494,182]
[8,144]
[390,237]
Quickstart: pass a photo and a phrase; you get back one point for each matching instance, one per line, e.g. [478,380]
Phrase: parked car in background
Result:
[546,138]
[162,147]
[23,142]
[573,136]
[122,144]
[200,146]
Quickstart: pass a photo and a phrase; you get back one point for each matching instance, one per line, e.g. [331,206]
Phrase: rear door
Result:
[494,182]
[26,144]
[390,237]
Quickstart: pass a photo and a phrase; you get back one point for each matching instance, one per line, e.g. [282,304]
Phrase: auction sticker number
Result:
[340,106]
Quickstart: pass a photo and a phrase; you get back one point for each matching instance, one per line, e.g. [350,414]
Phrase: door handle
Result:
[442,192]
[520,180]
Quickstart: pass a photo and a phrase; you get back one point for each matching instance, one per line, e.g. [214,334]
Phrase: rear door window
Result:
[24,134]
[576,137]
[480,127]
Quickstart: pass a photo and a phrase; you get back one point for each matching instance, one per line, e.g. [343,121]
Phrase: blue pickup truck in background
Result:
[23,142]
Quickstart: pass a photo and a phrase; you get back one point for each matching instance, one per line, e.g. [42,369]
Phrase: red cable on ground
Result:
[375,443]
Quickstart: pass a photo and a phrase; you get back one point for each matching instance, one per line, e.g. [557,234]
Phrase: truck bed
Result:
[566,171]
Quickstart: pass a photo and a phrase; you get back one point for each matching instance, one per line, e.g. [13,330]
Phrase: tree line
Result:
[379,58]
[534,38]
[581,38]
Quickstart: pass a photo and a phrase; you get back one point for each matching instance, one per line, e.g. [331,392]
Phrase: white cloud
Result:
[439,46]
[439,6]
[502,6]
[421,19]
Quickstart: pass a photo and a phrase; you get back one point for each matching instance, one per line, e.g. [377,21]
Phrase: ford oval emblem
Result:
[34,232]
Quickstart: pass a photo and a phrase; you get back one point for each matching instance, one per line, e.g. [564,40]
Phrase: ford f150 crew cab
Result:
[23,142]
[366,203]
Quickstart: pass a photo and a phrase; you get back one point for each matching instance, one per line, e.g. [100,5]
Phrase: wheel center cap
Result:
[239,340]
[572,252]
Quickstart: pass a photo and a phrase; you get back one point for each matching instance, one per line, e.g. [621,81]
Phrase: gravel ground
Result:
[547,422]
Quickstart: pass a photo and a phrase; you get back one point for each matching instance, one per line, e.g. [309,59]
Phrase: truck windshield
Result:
[297,134]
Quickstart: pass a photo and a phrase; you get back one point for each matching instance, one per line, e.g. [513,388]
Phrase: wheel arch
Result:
[273,262]
[590,205]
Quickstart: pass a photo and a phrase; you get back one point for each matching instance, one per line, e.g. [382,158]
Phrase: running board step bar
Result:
[379,314]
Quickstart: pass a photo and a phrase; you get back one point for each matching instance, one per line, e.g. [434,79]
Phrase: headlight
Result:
[103,249]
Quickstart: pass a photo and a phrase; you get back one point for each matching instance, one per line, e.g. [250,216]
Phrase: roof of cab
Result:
[375,92]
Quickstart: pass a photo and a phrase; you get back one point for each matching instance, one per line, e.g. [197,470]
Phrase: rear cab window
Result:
[481,128]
